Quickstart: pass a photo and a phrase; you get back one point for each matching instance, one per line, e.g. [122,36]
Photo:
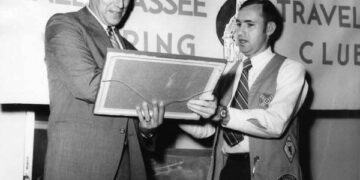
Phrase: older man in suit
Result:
[82,145]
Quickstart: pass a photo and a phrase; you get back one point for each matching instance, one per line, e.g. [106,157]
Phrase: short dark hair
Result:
[270,14]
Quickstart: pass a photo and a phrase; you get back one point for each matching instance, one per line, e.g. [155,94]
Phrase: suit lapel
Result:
[95,30]
[123,44]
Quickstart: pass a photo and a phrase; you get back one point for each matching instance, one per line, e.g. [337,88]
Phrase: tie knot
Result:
[110,31]
[247,64]
[113,38]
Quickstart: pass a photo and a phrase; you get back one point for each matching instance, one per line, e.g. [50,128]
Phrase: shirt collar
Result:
[261,59]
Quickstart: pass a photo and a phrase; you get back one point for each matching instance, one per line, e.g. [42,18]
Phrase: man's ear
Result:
[270,28]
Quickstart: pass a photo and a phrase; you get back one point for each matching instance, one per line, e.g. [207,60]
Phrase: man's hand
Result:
[151,117]
[204,107]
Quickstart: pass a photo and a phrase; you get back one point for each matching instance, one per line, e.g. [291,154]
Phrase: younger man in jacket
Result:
[257,135]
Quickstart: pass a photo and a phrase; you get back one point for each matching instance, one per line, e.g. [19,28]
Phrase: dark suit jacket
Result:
[82,145]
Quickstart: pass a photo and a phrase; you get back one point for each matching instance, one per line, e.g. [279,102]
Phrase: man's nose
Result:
[241,30]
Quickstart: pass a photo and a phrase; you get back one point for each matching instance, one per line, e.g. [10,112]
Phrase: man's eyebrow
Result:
[248,21]
[245,21]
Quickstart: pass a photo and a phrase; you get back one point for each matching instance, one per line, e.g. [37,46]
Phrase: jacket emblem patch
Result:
[265,100]
[290,149]
[287,177]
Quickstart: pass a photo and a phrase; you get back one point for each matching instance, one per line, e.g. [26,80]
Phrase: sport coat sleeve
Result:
[69,57]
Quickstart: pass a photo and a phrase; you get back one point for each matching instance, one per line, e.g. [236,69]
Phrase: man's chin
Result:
[114,22]
[245,52]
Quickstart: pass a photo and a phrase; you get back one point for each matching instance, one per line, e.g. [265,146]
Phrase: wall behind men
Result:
[322,34]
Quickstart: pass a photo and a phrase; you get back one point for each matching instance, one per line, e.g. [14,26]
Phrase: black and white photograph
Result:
[180,89]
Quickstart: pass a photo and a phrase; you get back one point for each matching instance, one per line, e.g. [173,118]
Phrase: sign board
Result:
[130,78]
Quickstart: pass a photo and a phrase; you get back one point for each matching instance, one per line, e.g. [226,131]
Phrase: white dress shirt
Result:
[275,118]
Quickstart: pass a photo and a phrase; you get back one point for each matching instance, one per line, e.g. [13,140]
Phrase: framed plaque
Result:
[132,77]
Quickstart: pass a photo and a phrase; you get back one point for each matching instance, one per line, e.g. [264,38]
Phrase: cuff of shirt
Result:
[237,118]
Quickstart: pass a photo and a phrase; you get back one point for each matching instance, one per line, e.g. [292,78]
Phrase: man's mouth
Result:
[242,41]
[115,12]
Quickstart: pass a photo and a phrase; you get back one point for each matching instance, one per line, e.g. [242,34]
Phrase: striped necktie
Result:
[240,101]
[112,37]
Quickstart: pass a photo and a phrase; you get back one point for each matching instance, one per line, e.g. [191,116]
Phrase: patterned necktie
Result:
[112,37]
[240,101]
